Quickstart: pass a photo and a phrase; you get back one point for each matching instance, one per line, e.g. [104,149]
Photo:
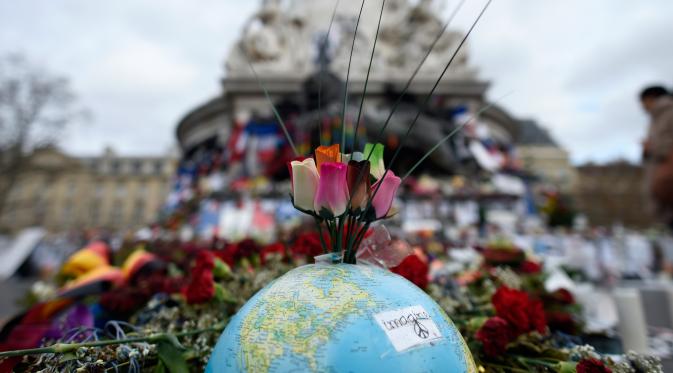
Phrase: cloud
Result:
[140,67]
[574,65]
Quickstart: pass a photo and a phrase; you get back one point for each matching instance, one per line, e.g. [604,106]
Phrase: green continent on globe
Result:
[299,313]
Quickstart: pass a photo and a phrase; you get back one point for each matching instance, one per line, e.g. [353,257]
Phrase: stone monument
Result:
[285,42]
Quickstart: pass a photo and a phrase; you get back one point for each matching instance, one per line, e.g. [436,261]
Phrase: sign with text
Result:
[408,327]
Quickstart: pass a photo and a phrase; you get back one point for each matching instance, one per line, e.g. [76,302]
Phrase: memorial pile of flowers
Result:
[164,313]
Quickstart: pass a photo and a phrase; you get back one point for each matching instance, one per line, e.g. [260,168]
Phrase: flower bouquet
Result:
[345,194]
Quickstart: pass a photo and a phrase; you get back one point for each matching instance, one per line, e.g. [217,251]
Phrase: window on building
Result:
[95,214]
[40,211]
[138,211]
[137,167]
[115,167]
[142,190]
[116,218]
[158,167]
[99,190]
[121,190]
[67,213]
[71,189]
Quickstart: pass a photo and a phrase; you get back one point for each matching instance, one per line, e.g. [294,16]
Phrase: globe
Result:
[341,318]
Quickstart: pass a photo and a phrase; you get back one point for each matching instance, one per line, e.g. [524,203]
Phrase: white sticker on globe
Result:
[408,327]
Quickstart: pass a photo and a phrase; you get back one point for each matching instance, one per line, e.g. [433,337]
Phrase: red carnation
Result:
[512,305]
[561,321]
[536,316]
[307,245]
[413,269]
[495,257]
[273,249]
[159,283]
[122,301]
[530,267]
[245,249]
[227,254]
[592,366]
[494,335]
[204,260]
[563,296]
[201,287]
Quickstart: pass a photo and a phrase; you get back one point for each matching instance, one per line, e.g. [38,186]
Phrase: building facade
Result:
[544,158]
[61,192]
[614,193]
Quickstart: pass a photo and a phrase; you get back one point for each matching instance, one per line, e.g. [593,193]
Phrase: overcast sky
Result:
[139,65]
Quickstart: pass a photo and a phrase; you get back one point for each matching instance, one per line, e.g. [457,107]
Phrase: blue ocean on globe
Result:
[341,318]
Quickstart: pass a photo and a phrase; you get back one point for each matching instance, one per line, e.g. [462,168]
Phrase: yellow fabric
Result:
[130,263]
[82,262]
[101,273]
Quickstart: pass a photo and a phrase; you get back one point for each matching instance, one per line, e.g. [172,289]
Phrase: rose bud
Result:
[358,184]
[383,198]
[332,196]
[375,159]
[324,154]
[304,183]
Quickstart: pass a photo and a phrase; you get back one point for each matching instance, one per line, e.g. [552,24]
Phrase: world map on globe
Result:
[341,318]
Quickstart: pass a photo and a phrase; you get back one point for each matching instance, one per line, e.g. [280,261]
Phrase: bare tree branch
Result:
[35,107]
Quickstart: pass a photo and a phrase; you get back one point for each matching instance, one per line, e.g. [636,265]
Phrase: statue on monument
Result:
[345,27]
[273,41]
[280,40]
[423,25]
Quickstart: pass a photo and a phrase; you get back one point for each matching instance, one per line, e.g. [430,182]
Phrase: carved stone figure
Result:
[284,41]
[425,25]
[273,41]
[394,33]
[345,27]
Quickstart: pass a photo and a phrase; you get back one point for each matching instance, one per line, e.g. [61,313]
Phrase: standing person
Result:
[658,150]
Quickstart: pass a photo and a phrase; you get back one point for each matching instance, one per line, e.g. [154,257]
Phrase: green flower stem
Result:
[116,368]
[358,240]
[369,69]
[332,235]
[352,235]
[322,74]
[62,348]
[348,74]
[547,362]
[322,239]
[340,236]
[504,368]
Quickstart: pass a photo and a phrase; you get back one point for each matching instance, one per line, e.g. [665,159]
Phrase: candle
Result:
[632,326]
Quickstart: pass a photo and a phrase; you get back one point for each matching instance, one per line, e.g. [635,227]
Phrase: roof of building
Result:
[531,133]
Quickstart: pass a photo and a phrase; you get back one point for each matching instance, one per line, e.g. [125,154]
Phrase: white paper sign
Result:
[408,327]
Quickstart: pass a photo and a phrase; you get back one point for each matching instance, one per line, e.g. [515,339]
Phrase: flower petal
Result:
[383,199]
[332,195]
[376,159]
[325,154]
[358,183]
[304,183]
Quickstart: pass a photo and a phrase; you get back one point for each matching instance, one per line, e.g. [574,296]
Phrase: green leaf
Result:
[222,270]
[567,367]
[68,356]
[173,340]
[171,357]
[160,367]
[223,295]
